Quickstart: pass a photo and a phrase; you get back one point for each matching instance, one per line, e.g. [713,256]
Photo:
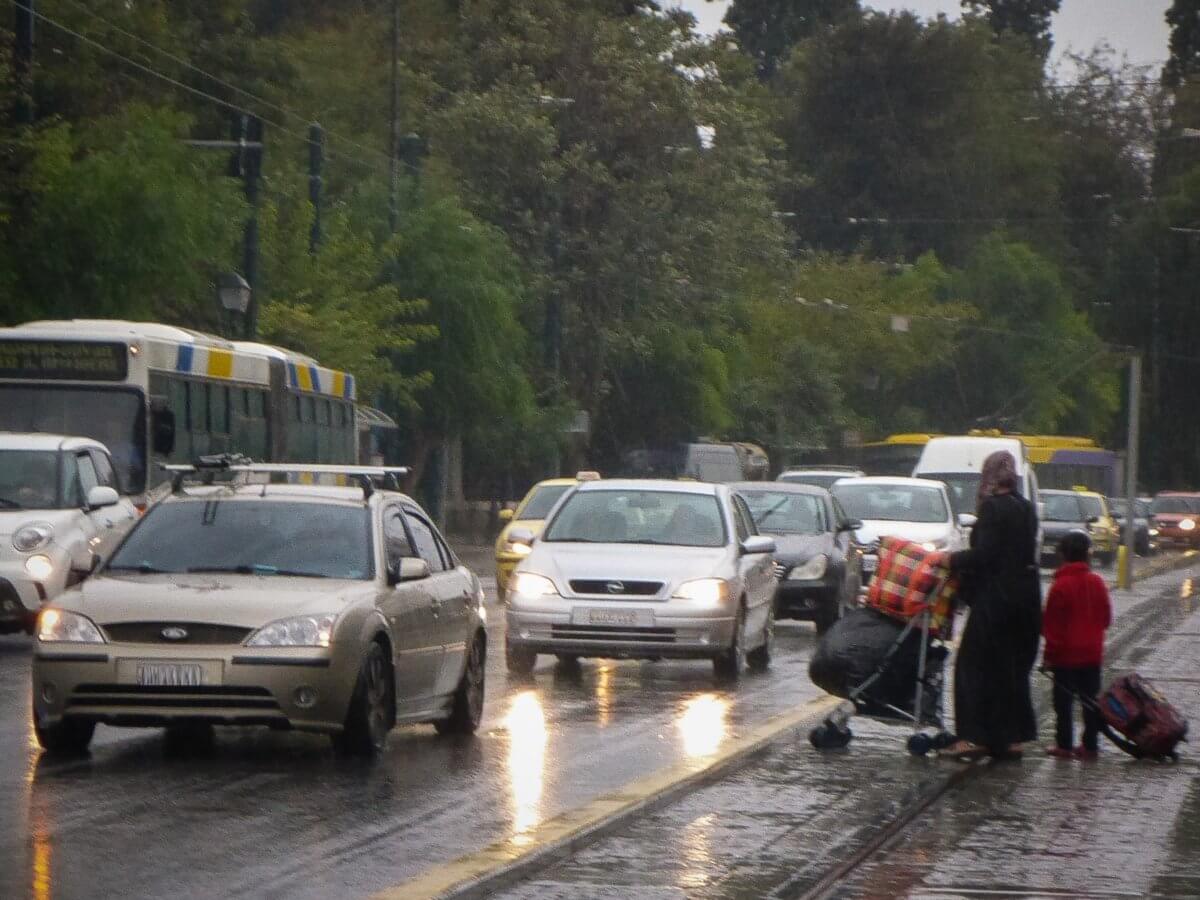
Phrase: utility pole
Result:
[1125,573]
[394,164]
[316,156]
[23,60]
[252,158]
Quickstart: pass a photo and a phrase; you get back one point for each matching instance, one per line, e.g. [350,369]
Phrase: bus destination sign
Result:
[64,360]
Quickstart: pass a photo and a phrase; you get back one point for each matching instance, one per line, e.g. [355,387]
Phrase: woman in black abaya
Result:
[993,709]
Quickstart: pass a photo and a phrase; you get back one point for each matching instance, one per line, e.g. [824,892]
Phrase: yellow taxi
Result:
[1102,527]
[530,513]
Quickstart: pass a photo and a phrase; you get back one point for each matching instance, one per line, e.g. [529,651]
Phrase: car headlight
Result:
[814,568]
[531,585]
[298,631]
[1153,532]
[707,591]
[34,536]
[1187,525]
[517,549]
[58,625]
[39,567]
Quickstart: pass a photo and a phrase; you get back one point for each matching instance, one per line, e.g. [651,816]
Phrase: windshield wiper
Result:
[256,569]
[143,568]
[10,504]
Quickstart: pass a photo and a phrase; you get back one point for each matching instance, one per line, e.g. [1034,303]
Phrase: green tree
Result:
[769,29]
[119,219]
[1184,61]
[1027,19]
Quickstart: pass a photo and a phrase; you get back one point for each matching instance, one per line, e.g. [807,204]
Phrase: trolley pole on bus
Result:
[1125,566]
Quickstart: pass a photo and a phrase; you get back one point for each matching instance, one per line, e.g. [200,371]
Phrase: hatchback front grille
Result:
[616,587]
[206,696]
[181,633]
[609,633]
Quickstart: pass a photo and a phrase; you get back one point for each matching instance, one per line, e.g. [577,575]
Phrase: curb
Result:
[1161,566]
[509,860]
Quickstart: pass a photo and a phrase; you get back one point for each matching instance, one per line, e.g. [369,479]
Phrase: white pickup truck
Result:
[62,511]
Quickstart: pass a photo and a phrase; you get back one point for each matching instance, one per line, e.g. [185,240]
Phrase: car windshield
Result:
[115,417]
[542,500]
[639,517]
[961,486]
[816,479]
[252,537]
[31,479]
[891,502]
[1092,506]
[1061,508]
[1179,505]
[786,512]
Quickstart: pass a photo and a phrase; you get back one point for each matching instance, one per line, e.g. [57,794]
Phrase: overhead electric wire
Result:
[223,83]
[233,107]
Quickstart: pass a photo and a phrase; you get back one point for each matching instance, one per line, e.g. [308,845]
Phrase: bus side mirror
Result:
[163,425]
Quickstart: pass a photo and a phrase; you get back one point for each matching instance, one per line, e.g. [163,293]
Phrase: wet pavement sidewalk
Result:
[779,825]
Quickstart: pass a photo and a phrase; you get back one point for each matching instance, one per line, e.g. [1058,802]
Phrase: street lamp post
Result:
[234,293]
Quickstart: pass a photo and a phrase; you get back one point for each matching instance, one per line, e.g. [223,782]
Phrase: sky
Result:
[1134,27]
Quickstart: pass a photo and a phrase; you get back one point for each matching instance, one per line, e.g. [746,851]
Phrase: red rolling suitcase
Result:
[1150,725]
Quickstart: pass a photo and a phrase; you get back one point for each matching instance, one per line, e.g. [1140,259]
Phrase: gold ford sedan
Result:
[320,608]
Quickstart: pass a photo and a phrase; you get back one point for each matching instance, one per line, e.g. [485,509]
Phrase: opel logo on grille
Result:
[174,633]
[615,587]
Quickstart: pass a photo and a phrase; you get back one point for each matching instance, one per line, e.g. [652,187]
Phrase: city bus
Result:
[1061,462]
[158,393]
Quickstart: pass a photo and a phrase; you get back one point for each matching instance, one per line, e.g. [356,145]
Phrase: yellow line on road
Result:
[563,832]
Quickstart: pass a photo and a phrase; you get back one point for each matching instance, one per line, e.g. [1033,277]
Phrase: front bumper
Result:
[803,599]
[241,685]
[656,633]
[32,595]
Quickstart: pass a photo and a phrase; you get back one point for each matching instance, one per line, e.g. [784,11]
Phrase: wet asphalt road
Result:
[277,814]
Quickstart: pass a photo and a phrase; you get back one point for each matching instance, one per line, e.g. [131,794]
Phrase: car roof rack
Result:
[207,467]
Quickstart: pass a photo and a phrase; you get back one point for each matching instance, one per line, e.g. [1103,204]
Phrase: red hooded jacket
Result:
[1078,612]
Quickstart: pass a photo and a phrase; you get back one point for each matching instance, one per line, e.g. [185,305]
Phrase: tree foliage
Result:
[768,29]
[1027,19]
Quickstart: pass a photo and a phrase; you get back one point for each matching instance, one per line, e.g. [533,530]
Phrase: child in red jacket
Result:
[1078,612]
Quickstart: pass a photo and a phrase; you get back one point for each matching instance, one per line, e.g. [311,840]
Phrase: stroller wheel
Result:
[828,736]
[919,744]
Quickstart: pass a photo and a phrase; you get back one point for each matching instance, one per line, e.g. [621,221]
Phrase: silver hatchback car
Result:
[645,569]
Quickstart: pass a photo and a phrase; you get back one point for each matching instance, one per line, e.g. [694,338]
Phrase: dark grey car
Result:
[818,562]
[1145,532]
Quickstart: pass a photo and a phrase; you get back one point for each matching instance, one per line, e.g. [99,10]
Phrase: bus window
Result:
[309,412]
[219,410]
[326,417]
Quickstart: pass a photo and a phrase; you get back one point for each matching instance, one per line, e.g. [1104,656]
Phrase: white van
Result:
[957,461]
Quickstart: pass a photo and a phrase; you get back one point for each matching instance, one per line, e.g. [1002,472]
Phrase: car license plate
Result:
[170,674]
[612,617]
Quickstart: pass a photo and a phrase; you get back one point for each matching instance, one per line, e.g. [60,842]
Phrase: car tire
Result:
[728,665]
[68,737]
[466,711]
[372,707]
[759,659]
[518,660]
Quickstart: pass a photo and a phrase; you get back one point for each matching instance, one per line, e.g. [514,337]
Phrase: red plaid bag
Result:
[909,579]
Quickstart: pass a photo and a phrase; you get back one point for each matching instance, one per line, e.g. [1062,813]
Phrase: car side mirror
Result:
[163,431]
[408,568]
[505,515]
[967,520]
[851,525]
[101,496]
[521,536]
[758,543]
[1092,520]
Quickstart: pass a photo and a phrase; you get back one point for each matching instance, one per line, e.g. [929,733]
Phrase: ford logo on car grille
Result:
[174,633]
[615,587]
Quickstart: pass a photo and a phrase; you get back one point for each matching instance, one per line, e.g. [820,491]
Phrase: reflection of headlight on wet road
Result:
[526,724]
[703,724]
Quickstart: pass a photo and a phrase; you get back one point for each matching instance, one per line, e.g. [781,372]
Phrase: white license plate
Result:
[869,563]
[612,617]
[170,674]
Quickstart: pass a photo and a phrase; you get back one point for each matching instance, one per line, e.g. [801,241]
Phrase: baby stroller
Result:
[887,658]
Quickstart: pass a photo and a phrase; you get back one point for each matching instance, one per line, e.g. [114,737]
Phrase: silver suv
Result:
[61,513]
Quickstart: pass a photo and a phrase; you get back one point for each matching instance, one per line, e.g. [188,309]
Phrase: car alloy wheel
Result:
[372,706]
[729,664]
[759,659]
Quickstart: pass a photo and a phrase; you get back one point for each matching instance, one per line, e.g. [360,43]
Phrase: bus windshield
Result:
[114,416]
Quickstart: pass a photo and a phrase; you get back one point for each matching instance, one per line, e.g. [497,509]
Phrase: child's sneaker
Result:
[1085,754]
[1061,753]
